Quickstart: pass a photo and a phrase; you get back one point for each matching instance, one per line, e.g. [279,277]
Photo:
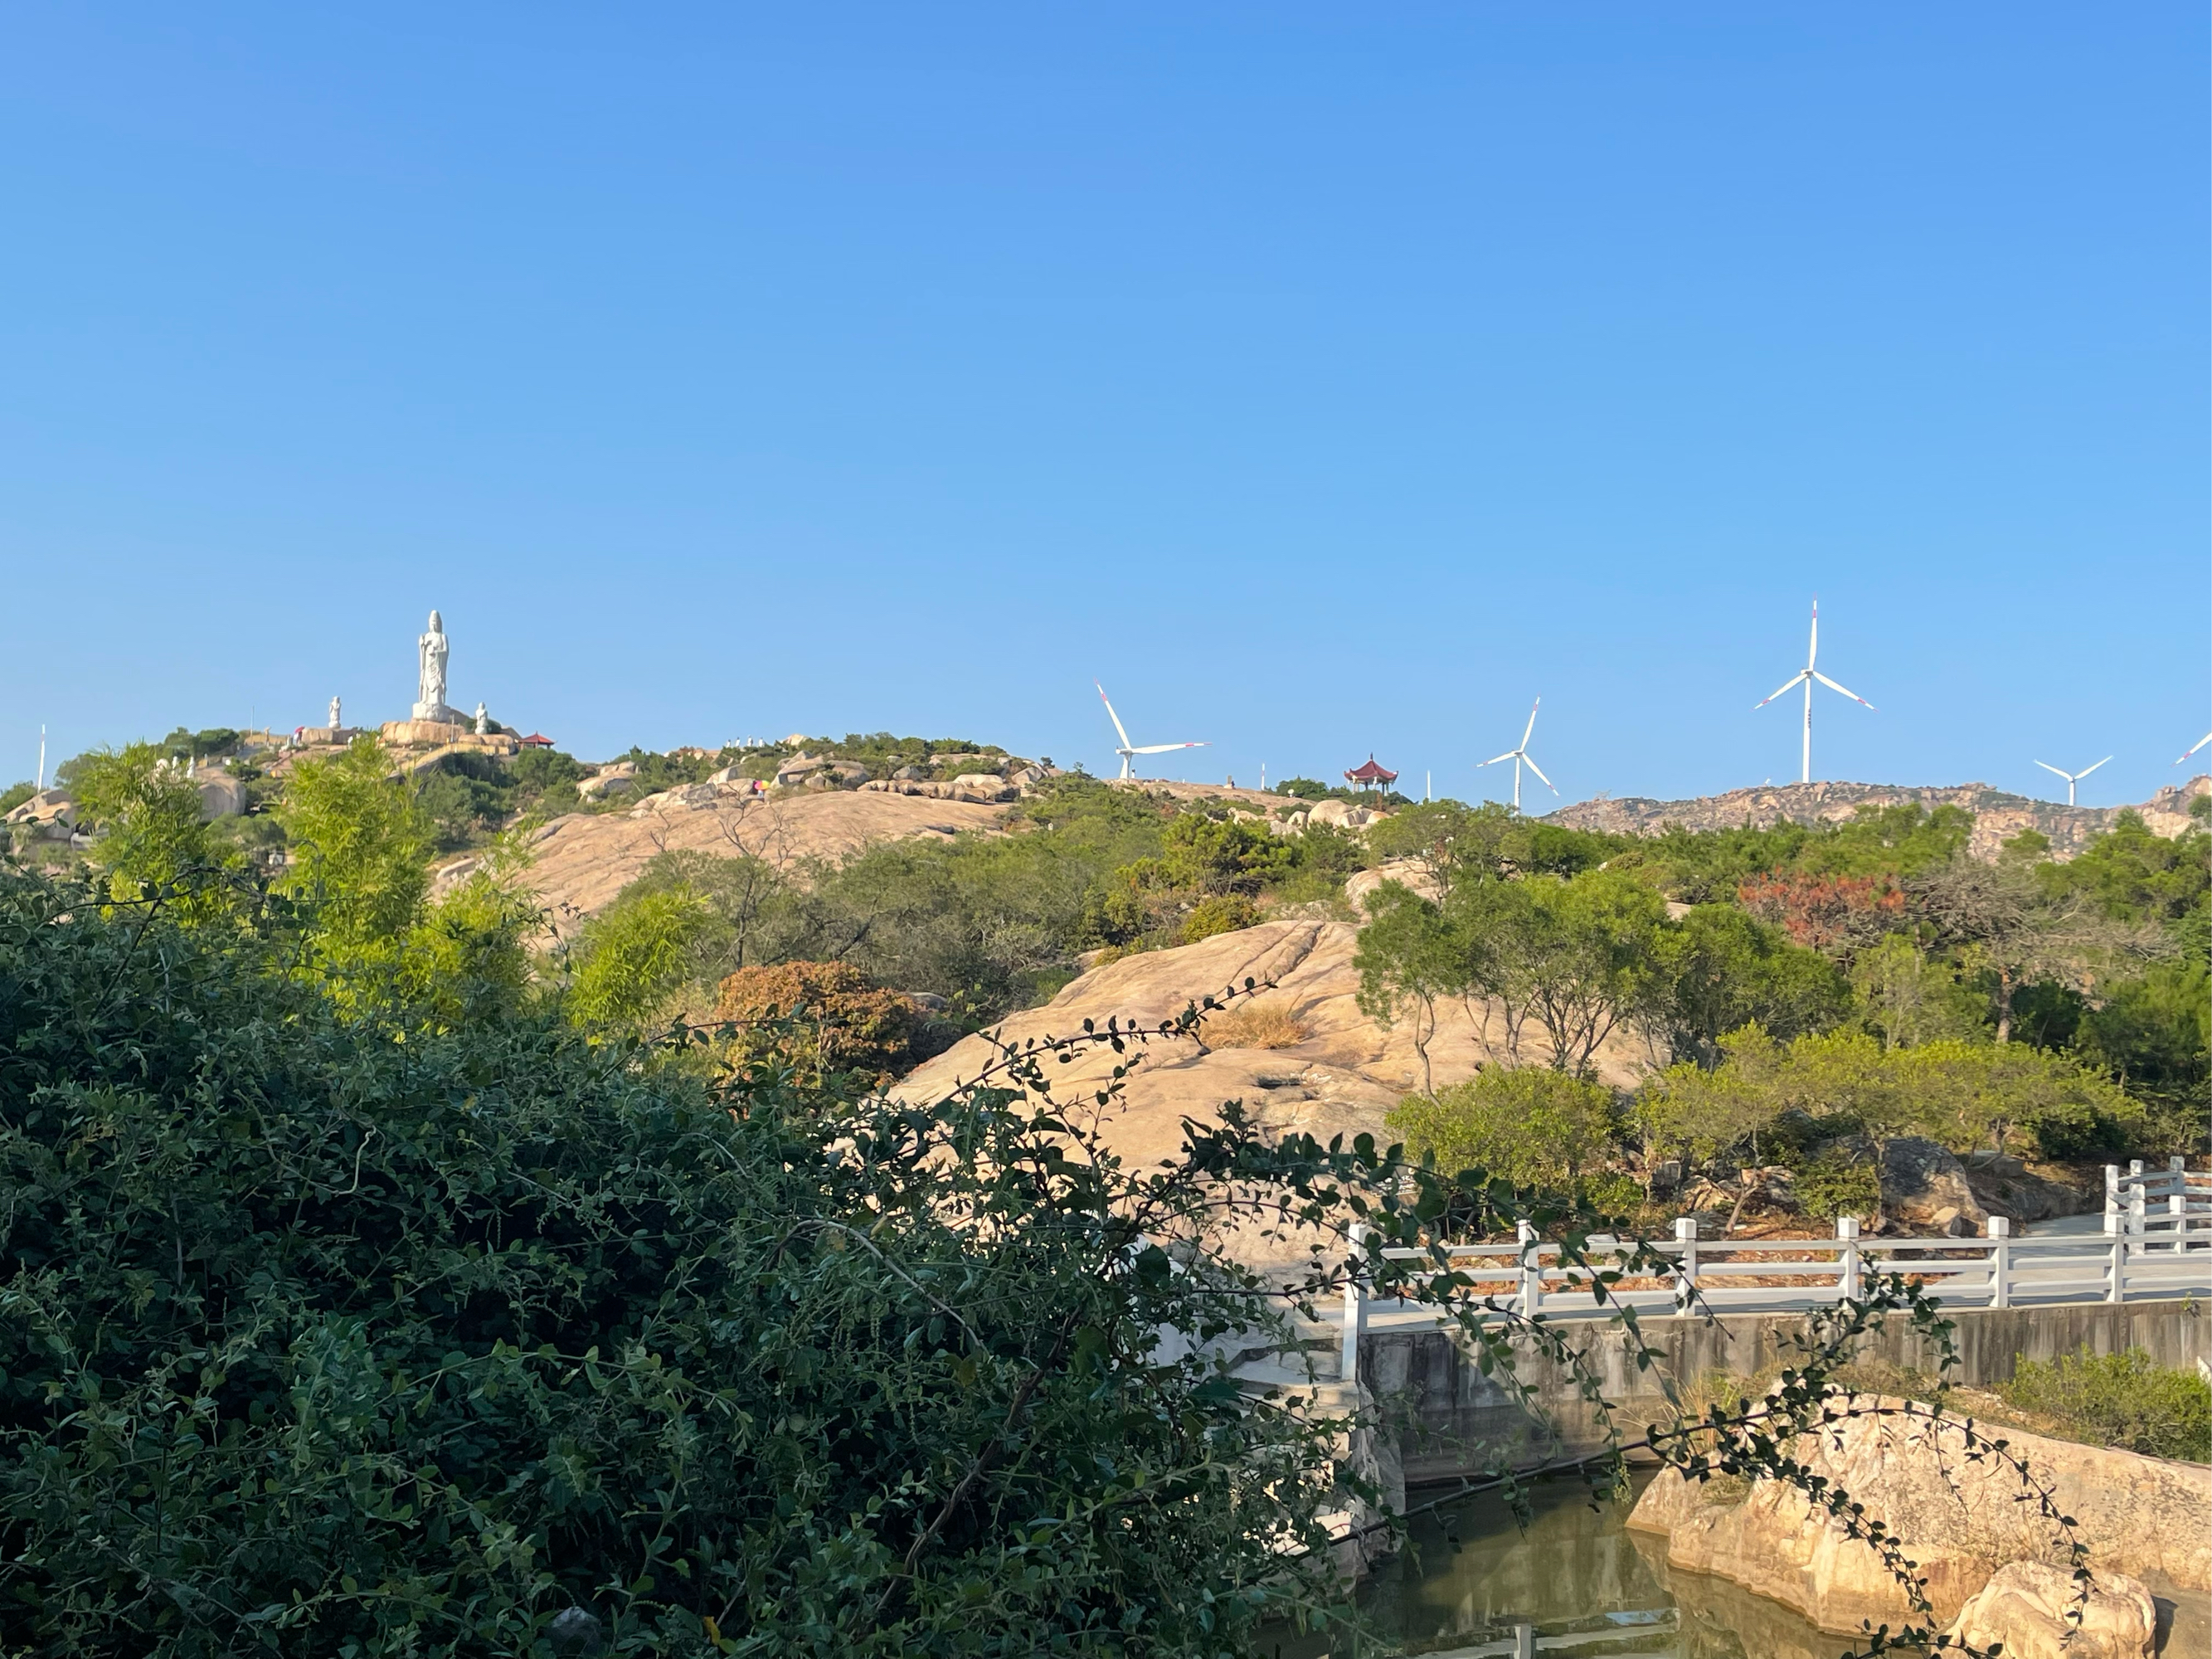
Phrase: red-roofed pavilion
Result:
[1371,776]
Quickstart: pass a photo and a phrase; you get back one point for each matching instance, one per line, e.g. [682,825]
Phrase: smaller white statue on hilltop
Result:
[483,721]
[430,685]
[335,721]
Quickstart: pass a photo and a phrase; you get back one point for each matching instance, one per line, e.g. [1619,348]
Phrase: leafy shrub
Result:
[336,1340]
[1833,1185]
[16,794]
[1217,856]
[636,957]
[547,771]
[1225,913]
[835,1019]
[2120,1399]
[1532,1125]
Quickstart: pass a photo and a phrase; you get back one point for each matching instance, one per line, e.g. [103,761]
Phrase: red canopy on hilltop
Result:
[537,741]
[1371,773]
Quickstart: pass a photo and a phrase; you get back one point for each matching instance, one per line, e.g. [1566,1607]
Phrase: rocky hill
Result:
[1998,816]
[581,860]
[1304,1059]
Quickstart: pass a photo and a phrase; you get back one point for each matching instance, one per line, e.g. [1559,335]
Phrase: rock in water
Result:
[2030,1608]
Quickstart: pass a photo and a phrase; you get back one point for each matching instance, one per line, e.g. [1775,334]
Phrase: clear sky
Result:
[1323,378]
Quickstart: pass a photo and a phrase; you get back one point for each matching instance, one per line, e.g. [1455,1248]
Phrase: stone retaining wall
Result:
[1450,1420]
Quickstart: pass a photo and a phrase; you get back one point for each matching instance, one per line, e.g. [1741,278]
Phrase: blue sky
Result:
[1324,379]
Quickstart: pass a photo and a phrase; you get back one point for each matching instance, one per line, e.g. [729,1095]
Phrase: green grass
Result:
[2120,1400]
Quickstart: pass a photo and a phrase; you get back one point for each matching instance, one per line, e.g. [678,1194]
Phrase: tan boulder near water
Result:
[1961,1519]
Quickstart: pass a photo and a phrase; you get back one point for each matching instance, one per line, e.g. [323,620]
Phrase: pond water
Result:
[1575,1584]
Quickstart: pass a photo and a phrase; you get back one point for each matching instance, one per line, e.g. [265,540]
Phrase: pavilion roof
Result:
[537,741]
[1371,773]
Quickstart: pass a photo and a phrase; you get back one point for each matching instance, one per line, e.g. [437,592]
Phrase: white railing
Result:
[2143,1203]
[2170,1256]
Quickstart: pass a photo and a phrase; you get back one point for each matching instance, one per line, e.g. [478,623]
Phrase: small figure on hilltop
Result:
[483,720]
[335,721]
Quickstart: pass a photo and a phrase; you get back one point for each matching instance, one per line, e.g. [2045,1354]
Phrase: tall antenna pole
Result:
[42,758]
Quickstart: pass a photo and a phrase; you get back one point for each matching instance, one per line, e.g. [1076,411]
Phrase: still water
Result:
[1576,1584]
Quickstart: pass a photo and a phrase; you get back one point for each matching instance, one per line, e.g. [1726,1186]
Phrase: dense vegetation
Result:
[369,1292]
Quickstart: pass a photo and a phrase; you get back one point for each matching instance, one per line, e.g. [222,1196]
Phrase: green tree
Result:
[359,843]
[2131,874]
[1716,970]
[1411,957]
[153,834]
[1215,856]
[1592,958]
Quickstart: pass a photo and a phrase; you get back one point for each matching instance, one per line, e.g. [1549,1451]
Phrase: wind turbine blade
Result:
[2086,770]
[1163,747]
[1526,735]
[2192,748]
[1853,695]
[1813,648]
[1790,685]
[1494,759]
[2048,767]
[1539,771]
[1119,729]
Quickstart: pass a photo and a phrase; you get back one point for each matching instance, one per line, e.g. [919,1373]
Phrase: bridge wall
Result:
[1449,1418]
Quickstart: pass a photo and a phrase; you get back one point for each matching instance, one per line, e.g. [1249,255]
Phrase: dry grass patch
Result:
[1262,1025]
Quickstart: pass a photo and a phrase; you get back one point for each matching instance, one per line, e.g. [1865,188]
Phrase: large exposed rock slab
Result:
[1340,1076]
[1959,1519]
[582,860]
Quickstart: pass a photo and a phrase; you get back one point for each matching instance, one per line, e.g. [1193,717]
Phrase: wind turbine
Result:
[2073,778]
[2177,759]
[1128,750]
[1805,677]
[1520,755]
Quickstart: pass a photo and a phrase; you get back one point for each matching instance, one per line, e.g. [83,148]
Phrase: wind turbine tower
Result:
[1805,676]
[1520,757]
[1128,752]
[2072,778]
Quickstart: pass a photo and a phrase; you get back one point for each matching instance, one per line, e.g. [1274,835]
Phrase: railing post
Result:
[2111,1195]
[1355,1308]
[2137,1206]
[2000,1261]
[1532,1269]
[2116,1270]
[1847,1256]
[1686,1238]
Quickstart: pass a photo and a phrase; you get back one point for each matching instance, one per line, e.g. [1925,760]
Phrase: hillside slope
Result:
[1999,815]
[1345,1073]
[581,860]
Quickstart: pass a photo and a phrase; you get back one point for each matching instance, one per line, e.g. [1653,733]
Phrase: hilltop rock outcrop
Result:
[581,860]
[1998,814]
